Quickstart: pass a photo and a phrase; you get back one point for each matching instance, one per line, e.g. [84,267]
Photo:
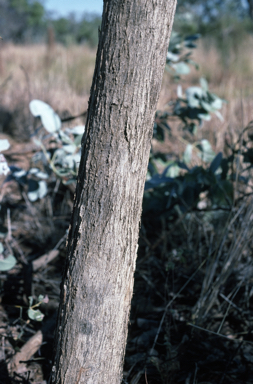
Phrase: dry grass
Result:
[62,77]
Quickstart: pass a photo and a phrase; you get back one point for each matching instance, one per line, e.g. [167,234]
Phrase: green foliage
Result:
[83,31]
[7,263]
[179,54]
[198,103]
[34,313]
[87,29]
[65,144]
[22,20]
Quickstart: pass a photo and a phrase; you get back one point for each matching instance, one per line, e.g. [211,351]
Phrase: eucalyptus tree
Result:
[103,235]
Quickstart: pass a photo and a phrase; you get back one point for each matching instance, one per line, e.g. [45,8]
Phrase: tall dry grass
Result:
[64,82]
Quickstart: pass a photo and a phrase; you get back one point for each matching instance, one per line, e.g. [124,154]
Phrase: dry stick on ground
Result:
[25,354]
[44,259]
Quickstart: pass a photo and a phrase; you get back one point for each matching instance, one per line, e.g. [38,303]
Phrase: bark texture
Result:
[99,273]
[250,4]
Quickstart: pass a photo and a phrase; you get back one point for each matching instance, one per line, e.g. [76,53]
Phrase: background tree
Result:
[98,277]
[20,19]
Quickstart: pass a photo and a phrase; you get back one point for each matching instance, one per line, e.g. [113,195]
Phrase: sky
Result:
[64,7]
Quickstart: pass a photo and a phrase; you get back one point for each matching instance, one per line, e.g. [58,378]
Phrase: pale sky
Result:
[64,7]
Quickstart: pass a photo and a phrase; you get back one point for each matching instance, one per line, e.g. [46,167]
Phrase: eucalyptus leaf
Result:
[36,315]
[181,68]
[69,148]
[64,137]
[1,248]
[219,115]
[78,140]
[172,57]
[204,116]
[50,120]
[36,193]
[8,263]
[78,130]
[187,156]
[71,160]
[204,84]
[207,154]
[216,162]
[217,103]
[30,298]
[37,172]
[173,171]
[4,145]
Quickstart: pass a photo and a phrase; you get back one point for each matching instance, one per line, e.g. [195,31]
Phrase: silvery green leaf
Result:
[173,171]
[78,130]
[208,107]
[204,116]
[78,140]
[181,68]
[194,95]
[30,298]
[59,154]
[4,145]
[19,174]
[71,160]
[207,154]
[70,148]
[37,142]
[36,315]
[217,103]
[179,91]
[219,115]
[172,56]
[49,118]
[38,107]
[38,193]
[51,121]
[195,92]
[8,263]
[1,248]
[192,101]
[65,138]
[37,172]
[187,156]
[204,84]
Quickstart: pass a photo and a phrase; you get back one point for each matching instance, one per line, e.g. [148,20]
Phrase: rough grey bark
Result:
[250,4]
[98,278]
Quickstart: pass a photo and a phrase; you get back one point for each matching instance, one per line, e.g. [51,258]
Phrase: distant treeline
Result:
[27,21]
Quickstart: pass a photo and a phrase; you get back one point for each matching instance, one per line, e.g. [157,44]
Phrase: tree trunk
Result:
[99,273]
[250,4]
